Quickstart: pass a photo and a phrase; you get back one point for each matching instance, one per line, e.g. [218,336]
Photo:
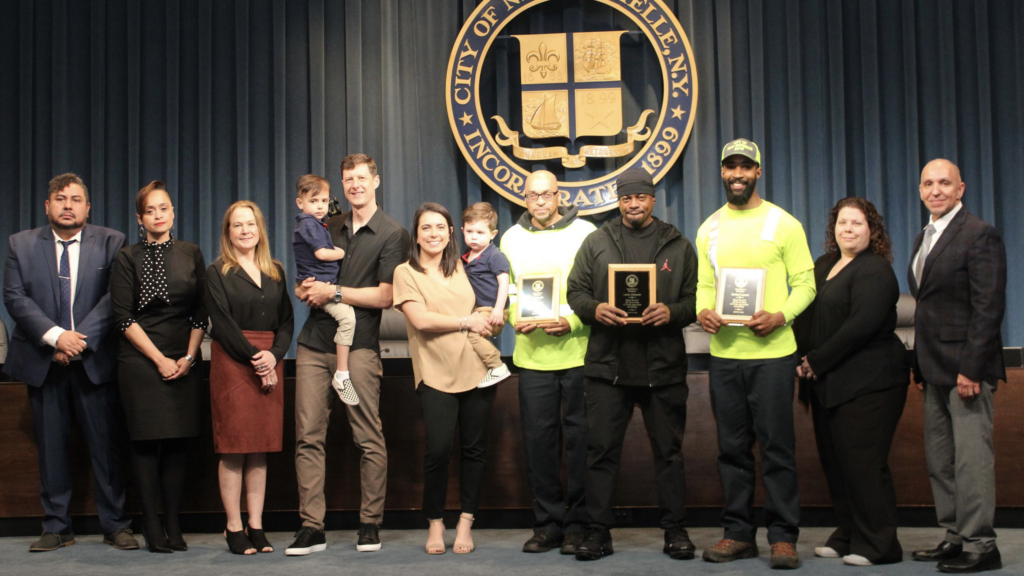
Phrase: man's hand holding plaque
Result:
[538,302]
[632,293]
[740,299]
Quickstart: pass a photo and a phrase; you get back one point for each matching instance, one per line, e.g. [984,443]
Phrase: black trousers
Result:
[67,392]
[552,407]
[853,442]
[753,399]
[441,412]
[609,409]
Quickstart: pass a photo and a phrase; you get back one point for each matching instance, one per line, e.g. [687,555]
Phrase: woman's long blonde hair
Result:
[266,264]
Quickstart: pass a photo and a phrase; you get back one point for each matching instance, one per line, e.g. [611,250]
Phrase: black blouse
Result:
[159,282]
[236,303]
[848,332]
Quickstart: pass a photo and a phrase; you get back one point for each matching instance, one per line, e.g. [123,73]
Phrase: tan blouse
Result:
[444,361]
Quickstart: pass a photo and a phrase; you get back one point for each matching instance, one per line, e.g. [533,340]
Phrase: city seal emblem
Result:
[571,99]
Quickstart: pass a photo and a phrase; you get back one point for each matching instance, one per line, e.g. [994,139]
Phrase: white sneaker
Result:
[494,375]
[345,391]
[857,560]
[825,552]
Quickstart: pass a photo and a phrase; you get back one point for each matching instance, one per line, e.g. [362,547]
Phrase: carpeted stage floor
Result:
[637,552]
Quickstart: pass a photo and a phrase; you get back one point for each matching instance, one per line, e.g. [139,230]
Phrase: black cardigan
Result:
[848,332]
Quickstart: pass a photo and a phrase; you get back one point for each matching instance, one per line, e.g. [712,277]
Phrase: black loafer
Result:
[678,545]
[542,542]
[50,541]
[944,551]
[596,545]
[970,562]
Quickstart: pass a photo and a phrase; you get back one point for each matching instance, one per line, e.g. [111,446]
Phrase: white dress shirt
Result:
[940,225]
[51,335]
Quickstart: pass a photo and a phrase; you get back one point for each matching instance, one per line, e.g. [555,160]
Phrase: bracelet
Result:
[463,325]
[191,359]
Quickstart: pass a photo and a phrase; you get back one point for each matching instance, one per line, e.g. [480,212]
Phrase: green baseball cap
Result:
[742,147]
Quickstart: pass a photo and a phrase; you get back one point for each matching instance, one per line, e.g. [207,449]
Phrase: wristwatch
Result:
[337,295]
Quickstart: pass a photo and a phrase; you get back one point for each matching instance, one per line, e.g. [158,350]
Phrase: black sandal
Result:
[259,540]
[238,542]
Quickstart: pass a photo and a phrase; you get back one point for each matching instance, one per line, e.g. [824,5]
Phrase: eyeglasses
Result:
[629,198]
[533,197]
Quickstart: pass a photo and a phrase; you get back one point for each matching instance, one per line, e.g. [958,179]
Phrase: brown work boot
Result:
[784,556]
[729,550]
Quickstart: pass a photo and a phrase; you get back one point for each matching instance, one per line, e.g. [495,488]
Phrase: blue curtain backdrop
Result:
[235,99]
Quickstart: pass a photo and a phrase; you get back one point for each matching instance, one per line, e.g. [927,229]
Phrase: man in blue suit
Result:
[56,288]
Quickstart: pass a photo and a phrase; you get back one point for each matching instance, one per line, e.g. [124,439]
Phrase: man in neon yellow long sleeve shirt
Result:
[752,367]
[550,360]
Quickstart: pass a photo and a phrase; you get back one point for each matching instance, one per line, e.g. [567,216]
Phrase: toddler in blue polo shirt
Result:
[317,257]
[487,270]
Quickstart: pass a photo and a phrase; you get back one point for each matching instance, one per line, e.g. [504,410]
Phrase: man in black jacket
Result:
[629,364]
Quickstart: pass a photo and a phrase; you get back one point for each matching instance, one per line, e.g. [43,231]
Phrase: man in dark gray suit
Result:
[57,290]
[958,275]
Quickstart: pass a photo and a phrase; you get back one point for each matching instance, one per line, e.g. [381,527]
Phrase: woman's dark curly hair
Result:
[880,243]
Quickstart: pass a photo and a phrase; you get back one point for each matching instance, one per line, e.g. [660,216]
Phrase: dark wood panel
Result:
[506,472]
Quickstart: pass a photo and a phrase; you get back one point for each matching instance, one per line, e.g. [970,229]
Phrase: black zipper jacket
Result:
[676,263]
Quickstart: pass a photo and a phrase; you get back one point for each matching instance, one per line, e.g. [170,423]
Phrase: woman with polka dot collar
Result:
[157,289]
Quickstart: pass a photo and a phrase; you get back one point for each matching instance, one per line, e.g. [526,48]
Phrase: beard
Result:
[741,198]
[635,221]
[64,226]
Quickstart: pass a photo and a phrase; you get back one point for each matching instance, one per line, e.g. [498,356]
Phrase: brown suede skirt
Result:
[245,418]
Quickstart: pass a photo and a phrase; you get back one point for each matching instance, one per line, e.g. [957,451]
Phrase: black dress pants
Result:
[441,412]
[853,442]
[67,392]
[609,409]
[753,399]
[552,407]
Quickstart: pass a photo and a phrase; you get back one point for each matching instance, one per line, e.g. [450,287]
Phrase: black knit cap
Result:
[634,181]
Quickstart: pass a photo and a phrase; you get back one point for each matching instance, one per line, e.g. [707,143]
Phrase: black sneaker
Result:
[596,545]
[307,540]
[369,538]
[571,543]
[542,542]
[678,545]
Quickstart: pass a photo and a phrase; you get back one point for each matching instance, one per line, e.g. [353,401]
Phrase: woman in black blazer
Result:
[855,376]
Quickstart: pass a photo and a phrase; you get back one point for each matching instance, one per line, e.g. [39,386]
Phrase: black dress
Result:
[161,288]
[246,318]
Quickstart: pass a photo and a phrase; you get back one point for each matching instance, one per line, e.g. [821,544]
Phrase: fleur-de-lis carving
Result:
[542,60]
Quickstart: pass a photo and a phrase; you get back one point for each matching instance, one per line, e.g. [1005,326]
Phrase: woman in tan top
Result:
[432,290]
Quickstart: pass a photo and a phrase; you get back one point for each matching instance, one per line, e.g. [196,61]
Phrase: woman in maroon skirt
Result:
[251,317]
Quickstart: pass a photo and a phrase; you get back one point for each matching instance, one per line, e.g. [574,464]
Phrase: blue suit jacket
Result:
[32,297]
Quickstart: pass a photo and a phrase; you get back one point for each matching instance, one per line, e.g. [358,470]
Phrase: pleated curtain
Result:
[225,100]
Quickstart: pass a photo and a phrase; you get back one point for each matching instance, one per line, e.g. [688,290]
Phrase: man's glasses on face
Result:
[630,198]
[533,196]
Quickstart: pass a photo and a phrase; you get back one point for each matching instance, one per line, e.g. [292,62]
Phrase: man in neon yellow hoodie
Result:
[752,369]
[550,361]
